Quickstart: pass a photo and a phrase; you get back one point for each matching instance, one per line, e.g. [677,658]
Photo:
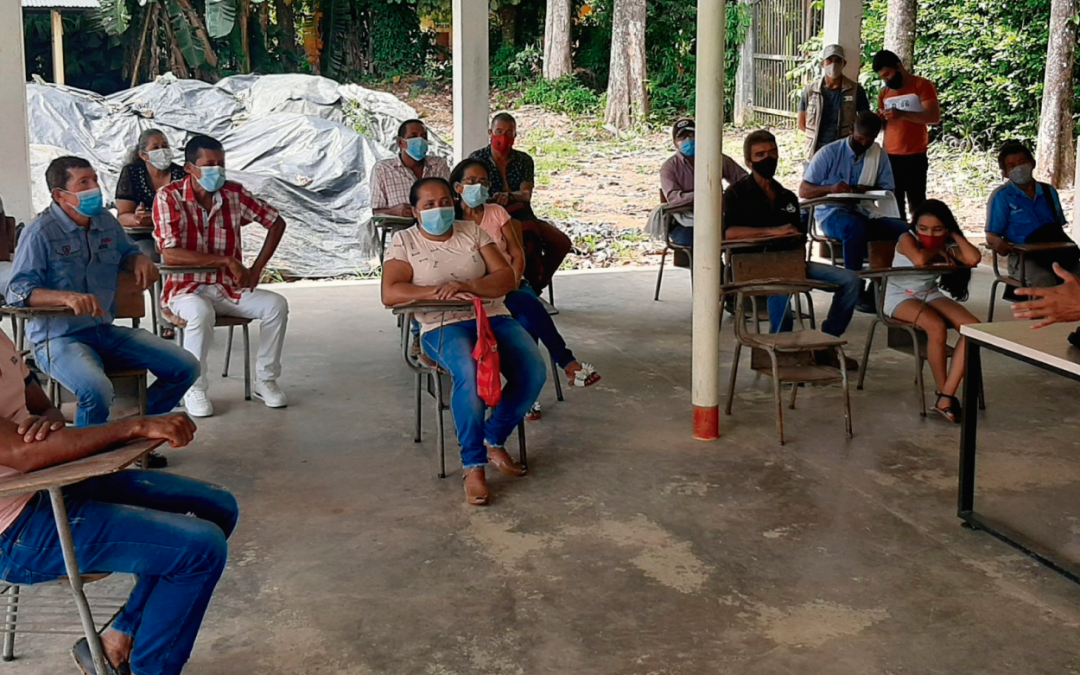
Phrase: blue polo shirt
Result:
[836,162]
[1013,215]
[55,253]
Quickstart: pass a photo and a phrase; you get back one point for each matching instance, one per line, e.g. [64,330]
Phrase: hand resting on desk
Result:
[1055,304]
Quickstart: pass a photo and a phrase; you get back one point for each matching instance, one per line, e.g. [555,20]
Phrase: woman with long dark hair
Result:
[920,299]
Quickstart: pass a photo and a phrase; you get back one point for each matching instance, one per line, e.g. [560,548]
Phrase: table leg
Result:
[67,544]
[972,386]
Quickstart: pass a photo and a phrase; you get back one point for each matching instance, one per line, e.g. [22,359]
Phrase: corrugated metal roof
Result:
[61,4]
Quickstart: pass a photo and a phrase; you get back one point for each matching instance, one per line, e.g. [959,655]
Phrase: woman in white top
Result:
[935,238]
[443,259]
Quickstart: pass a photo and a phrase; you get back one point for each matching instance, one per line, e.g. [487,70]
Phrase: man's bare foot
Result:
[117,646]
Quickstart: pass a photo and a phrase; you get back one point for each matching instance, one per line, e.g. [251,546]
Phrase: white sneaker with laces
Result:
[271,394]
[198,403]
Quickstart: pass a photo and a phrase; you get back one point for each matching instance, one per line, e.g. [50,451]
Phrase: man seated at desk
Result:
[758,206]
[70,256]
[168,531]
[392,178]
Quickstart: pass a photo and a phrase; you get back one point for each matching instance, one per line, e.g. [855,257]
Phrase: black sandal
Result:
[954,413]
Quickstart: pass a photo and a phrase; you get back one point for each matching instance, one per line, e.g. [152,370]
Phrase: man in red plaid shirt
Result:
[197,223]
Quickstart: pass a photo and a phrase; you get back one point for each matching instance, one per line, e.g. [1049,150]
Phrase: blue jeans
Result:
[135,522]
[855,230]
[840,311]
[79,361]
[526,307]
[521,364]
[682,235]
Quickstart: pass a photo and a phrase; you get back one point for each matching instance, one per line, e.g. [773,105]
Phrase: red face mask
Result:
[502,143]
[930,242]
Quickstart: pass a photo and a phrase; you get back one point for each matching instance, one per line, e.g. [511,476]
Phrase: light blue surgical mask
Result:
[90,202]
[416,148]
[437,221]
[211,178]
[475,195]
[687,147]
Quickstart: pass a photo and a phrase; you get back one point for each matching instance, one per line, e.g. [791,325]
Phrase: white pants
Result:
[200,309]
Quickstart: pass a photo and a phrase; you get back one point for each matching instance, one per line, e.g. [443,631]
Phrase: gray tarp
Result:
[290,139]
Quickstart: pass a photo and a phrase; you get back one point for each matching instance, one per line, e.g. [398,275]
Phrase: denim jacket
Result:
[55,253]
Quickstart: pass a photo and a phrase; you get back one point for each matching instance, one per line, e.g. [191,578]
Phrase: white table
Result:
[1046,348]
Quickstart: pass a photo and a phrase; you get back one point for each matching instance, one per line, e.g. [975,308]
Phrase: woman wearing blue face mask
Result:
[471,181]
[443,258]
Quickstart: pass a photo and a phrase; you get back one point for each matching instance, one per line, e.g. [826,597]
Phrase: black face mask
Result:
[766,168]
[895,82]
[858,148]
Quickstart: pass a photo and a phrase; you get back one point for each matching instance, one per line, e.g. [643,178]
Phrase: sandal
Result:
[502,461]
[954,413]
[535,413]
[476,492]
[585,376]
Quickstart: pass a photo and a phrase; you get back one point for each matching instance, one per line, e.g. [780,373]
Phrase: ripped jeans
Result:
[167,530]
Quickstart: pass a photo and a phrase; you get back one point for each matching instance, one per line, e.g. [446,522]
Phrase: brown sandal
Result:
[501,459]
[476,492]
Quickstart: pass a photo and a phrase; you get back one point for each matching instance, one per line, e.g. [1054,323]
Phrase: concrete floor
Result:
[630,549]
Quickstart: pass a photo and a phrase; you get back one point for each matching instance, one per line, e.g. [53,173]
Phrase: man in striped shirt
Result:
[197,223]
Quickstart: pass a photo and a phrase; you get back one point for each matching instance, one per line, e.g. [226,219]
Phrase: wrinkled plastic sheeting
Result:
[187,106]
[302,94]
[382,113]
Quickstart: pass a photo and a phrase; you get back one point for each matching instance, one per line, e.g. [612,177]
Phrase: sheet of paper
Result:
[907,102]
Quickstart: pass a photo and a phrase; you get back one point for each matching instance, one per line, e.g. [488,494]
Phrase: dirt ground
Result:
[588,175]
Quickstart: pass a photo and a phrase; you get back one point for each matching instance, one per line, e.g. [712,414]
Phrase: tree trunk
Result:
[508,24]
[197,26]
[900,31]
[286,22]
[557,60]
[1054,155]
[628,101]
[244,18]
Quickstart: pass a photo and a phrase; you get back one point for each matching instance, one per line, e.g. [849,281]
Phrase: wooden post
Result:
[57,46]
[744,79]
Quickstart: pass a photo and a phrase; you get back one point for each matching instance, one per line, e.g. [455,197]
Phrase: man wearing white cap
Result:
[828,106]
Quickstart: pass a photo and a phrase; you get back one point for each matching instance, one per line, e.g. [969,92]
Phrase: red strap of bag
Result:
[486,353]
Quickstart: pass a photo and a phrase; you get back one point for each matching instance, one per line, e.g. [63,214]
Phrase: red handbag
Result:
[486,353]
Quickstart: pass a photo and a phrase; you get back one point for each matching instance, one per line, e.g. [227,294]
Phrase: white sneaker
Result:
[198,403]
[271,394]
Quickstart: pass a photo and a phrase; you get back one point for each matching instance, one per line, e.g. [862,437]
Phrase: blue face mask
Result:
[90,202]
[687,147]
[475,195]
[211,178]
[437,221]
[416,148]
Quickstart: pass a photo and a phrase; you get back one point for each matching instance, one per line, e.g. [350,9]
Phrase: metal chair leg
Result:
[228,352]
[11,616]
[419,395]
[731,379]
[993,301]
[847,392]
[247,363]
[919,385]
[794,393]
[439,424]
[523,455]
[71,564]
[866,352]
[660,274]
[776,396]
[557,375]
[551,291]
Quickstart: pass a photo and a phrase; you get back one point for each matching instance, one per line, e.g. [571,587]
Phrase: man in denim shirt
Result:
[70,256]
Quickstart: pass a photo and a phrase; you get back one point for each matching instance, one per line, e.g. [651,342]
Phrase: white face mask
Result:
[834,70]
[161,158]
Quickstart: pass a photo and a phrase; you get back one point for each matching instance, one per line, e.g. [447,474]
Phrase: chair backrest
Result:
[881,254]
[7,238]
[130,300]
[771,265]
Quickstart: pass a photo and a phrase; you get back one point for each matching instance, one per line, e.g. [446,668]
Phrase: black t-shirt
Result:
[136,186]
[747,205]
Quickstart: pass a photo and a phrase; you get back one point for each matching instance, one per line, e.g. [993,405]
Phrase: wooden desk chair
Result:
[787,357]
[667,215]
[826,246]
[1004,279]
[430,378]
[731,252]
[902,336]
[385,227]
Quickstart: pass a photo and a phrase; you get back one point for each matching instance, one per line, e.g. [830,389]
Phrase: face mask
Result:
[687,147]
[160,159]
[858,148]
[1021,175]
[475,195]
[212,178]
[437,221]
[90,203]
[416,148]
[766,168]
[931,242]
[834,70]
[896,82]
[502,143]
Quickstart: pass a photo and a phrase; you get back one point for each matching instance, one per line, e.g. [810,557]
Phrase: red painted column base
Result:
[706,423]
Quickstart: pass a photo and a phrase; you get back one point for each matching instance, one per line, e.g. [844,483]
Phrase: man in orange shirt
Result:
[907,104]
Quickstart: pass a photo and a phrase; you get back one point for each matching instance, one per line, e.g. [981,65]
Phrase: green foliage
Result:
[564,95]
[398,46]
[220,17]
[100,58]
[114,16]
[512,65]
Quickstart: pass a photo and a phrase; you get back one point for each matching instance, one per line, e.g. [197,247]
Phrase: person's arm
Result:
[399,211]
[998,244]
[997,220]
[809,190]
[29,274]
[919,257]
[931,108]
[131,214]
[813,182]
[512,232]
[675,193]
[132,259]
[966,252]
[169,230]
[269,247]
[397,286]
[742,232]
[71,443]
[523,194]
[732,172]
[44,417]
[1055,304]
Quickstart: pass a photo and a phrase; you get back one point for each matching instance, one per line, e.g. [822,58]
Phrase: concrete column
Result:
[744,79]
[708,215]
[15,141]
[843,26]
[1076,193]
[58,46]
[471,94]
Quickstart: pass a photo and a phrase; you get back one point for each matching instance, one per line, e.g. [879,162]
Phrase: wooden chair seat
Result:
[126,372]
[796,341]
